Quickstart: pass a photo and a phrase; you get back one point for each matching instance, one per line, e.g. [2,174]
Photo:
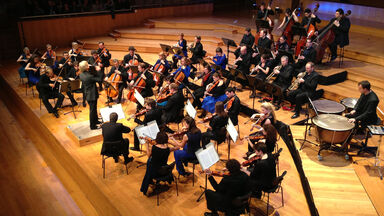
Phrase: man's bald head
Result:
[243,50]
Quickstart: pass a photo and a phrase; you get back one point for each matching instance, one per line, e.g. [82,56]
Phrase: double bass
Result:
[132,62]
[325,38]
[287,29]
[310,29]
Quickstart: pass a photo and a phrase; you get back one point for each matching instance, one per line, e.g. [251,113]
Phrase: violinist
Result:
[206,78]
[266,116]
[50,54]
[308,54]
[146,91]
[231,186]
[266,135]
[75,51]
[308,19]
[232,105]
[89,80]
[307,88]
[248,40]
[214,92]
[120,70]
[174,106]
[64,64]
[132,57]
[284,76]
[190,144]
[216,129]
[95,60]
[151,112]
[263,172]
[182,43]
[104,55]
[74,74]
[32,70]
[24,60]
[47,90]
[341,29]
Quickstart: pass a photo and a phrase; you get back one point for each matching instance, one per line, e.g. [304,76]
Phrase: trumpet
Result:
[277,68]
[295,84]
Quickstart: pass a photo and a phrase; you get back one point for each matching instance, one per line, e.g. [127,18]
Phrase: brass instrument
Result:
[268,79]
[295,84]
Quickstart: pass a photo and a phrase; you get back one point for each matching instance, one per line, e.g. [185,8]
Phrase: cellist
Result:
[185,69]
[131,59]
[149,83]
[120,70]
[161,66]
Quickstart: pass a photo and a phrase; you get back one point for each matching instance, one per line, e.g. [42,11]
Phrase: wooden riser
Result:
[364,57]
[125,48]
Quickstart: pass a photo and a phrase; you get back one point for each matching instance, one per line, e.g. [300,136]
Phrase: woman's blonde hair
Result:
[268,106]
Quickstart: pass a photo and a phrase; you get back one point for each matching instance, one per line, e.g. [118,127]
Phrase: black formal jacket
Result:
[149,84]
[284,78]
[153,114]
[89,84]
[245,63]
[232,186]
[261,13]
[366,108]
[124,74]
[264,172]
[218,124]
[71,73]
[305,21]
[310,83]
[128,57]
[264,43]
[247,40]
[104,59]
[309,54]
[234,110]
[197,51]
[341,32]
[173,107]
[113,132]
[43,86]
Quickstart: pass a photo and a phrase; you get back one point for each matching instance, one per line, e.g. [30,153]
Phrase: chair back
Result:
[111,148]
[241,201]
[166,170]
[277,181]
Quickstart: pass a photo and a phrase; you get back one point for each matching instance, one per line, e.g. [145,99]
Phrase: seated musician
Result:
[216,129]
[104,55]
[214,92]
[232,105]
[186,70]
[263,68]
[64,64]
[282,44]
[248,40]
[242,63]
[131,57]
[341,29]
[32,70]
[95,60]
[307,88]
[176,58]
[151,113]
[267,135]
[308,54]
[162,67]
[283,79]
[262,172]
[113,132]
[158,153]
[23,60]
[75,51]
[262,12]
[263,42]
[190,144]
[220,58]
[364,112]
[47,90]
[174,106]
[120,70]
[182,43]
[50,54]
[231,186]
[197,54]
[206,78]
[144,74]
[308,19]
[74,74]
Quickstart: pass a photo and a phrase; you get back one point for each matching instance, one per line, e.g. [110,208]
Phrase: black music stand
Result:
[204,189]
[307,128]
[298,30]
[71,86]
[49,62]
[229,42]
[108,87]
[166,48]
[82,58]
[178,50]
[255,83]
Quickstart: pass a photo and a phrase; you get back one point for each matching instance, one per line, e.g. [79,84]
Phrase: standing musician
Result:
[89,81]
[161,66]
[261,13]
[214,92]
[236,184]
[284,77]
[113,132]
[119,69]
[287,14]
[104,55]
[262,172]
[95,60]
[232,105]
[144,74]
[75,51]
[190,144]
[341,28]
[216,129]
[242,63]
[364,112]
[182,43]
[151,112]
[248,40]
[65,62]
[307,88]
[197,52]
[50,54]
[131,59]
[47,90]
[308,19]
[308,54]
[23,60]
[206,78]
[174,106]
[32,69]
[186,70]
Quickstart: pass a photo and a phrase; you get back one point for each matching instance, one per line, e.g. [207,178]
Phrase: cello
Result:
[158,70]
[114,80]
[310,29]
[139,85]
[325,38]
[132,62]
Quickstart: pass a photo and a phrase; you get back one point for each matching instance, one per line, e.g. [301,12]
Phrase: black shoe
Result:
[134,149]
[84,104]
[56,114]
[296,115]
[95,127]
[128,160]
[116,159]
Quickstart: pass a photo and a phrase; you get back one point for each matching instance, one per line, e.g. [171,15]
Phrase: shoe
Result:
[134,149]
[128,160]
[84,104]
[116,159]
[333,58]
[149,191]
[296,115]
[95,127]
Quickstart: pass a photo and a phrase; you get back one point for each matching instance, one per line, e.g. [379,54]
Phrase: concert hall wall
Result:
[62,31]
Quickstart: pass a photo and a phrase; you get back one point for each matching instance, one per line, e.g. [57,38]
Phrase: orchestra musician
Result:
[341,29]
[220,58]
[75,51]
[104,55]
[113,132]
[190,144]
[236,184]
[248,40]
[263,42]
[120,70]
[264,13]
[89,81]
[307,88]
[216,129]
[24,60]
[158,153]
[74,74]
[182,43]
[364,112]
[266,135]
[176,58]
[283,79]
[242,63]
[206,78]
[149,83]
[151,112]
[263,68]
[161,66]
[174,106]
[197,52]
[32,69]
[64,62]
[130,56]
[308,54]
[308,19]
[214,92]
[186,70]
[95,60]
[50,54]
[47,90]
[232,105]
[287,14]
[262,172]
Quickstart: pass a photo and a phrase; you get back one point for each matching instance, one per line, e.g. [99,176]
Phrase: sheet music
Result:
[153,129]
[150,130]
[232,131]
[106,111]
[190,109]
[139,98]
[207,157]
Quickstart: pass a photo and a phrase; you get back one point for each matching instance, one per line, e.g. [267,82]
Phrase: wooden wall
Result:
[62,31]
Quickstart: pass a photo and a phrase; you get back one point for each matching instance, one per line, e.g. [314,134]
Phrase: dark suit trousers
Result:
[333,48]
[93,118]
[299,98]
[199,93]
[48,106]
[215,201]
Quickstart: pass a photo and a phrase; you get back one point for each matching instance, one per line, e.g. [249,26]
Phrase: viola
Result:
[139,85]
[114,81]
[164,97]
[219,173]
[179,133]
[251,160]
[229,103]
[211,86]
[310,29]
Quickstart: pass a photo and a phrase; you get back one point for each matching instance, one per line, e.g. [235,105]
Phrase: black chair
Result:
[194,162]
[179,119]
[111,149]
[240,205]
[165,175]
[276,189]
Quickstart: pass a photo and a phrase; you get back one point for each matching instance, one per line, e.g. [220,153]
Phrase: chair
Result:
[276,156]
[165,174]
[179,119]
[276,189]
[194,162]
[341,56]
[240,205]
[110,149]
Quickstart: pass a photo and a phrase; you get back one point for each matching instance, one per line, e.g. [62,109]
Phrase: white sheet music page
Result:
[232,131]
[153,129]
[106,111]
[139,98]
[207,157]
[190,109]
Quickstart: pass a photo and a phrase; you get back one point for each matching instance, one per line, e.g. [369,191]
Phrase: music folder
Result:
[149,130]
[207,157]
[106,111]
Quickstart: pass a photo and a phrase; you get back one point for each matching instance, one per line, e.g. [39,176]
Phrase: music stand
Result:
[108,87]
[71,86]
[82,58]
[254,83]
[166,48]
[49,62]
[229,42]
[307,117]
[178,50]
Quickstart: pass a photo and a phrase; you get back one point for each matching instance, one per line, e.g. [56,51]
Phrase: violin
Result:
[149,140]
[211,86]
[163,98]
[218,173]
[140,113]
[179,133]
[310,29]
[251,160]
[208,118]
